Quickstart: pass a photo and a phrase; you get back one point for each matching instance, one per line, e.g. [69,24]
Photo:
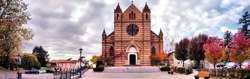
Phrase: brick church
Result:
[132,42]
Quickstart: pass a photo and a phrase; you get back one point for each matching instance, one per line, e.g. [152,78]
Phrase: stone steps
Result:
[132,69]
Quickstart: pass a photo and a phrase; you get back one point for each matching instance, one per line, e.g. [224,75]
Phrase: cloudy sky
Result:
[64,26]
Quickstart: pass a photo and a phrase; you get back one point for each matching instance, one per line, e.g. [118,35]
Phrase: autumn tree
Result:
[214,50]
[239,48]
[13,16]
[181,50]
[94,59]
[160,56]
[195,48]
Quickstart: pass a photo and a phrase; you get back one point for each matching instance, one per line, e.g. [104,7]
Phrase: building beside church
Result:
[132,42]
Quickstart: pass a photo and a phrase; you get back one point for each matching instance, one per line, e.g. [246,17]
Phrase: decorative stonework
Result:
[126,36]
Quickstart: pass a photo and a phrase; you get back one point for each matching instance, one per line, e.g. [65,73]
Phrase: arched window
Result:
[153,50]
[146,16]
[117,16]
[111,50]
[132,16]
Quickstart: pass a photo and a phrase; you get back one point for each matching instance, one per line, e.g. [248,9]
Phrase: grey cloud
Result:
[53,28]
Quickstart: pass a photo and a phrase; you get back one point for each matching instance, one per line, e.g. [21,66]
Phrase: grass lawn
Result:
[44,68]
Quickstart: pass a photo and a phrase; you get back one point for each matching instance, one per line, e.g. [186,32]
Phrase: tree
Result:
[227,43]
[214,50]
[158,58]
[239,50]
[94,59]
[181,50]
[30,61]
[13,14]
[41,54]
[195,48]
[245,21]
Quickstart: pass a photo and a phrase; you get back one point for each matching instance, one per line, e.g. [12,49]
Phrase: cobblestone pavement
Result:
[154,75]
[7,75]
[38,76]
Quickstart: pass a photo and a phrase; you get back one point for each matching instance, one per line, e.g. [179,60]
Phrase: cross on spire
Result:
[132,1]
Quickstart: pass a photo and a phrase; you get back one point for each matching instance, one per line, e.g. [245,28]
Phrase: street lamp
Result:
[19,74]
[80,63]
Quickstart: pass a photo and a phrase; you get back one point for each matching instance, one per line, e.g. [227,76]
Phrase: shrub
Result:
[243,74]
[180,70]
[99,63]
[98,69]
[189,70]
[165,68]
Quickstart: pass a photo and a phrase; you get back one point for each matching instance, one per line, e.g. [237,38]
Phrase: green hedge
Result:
[165,68]
[182,70]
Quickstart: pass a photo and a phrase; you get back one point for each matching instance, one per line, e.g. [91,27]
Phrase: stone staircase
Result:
[132,69]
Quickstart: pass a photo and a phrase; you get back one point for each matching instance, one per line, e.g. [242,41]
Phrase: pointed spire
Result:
[146,8]
[118,9]
[104,32]
[161,34]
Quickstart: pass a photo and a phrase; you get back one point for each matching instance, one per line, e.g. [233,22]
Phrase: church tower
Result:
[132,40]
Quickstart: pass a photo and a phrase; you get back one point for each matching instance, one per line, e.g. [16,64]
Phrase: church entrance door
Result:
[132,59]
[132,56]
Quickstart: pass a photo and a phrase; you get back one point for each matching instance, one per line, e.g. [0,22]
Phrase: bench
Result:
[202,73]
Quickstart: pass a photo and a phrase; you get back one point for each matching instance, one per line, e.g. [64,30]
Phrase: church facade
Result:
[132,42]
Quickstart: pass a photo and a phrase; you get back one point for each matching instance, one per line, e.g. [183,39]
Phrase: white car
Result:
[231,65]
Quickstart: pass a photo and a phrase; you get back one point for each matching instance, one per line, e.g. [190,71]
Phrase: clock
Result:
[132,29]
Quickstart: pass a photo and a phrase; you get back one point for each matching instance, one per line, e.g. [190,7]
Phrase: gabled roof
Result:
[132,6]
[118,9]
[146,8]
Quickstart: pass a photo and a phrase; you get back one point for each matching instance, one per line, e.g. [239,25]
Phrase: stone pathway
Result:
[134,74]
[132,69]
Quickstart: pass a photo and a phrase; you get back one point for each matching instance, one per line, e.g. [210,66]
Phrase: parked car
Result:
[246,65]
[220,65]
[32,71]
[42,71]
[231,65]
[50,70]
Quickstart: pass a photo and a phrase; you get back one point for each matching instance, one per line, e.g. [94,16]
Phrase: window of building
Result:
[132,16]
[111,50]
[117,16]
[146,16]
[153,50]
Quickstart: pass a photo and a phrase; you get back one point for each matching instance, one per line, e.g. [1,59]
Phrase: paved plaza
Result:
[152,75]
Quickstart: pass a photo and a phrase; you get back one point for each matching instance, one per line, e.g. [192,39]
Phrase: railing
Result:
[71,74]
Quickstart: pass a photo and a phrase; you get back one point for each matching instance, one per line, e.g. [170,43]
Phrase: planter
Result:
[98,69]
[165,68]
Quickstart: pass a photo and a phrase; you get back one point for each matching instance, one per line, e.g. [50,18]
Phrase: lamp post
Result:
[80,63]
[19,74]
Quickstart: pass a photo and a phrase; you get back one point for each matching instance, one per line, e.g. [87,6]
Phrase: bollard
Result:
[19,75]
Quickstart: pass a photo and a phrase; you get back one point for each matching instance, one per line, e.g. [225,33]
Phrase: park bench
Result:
[202,73]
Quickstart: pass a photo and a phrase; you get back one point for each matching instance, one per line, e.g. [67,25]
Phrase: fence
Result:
[70,74]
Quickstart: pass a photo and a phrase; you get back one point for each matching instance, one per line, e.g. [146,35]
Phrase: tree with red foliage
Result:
[214,50]
[240,46]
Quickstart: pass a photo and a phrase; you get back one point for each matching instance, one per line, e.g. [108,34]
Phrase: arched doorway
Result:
[132,56]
